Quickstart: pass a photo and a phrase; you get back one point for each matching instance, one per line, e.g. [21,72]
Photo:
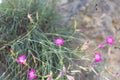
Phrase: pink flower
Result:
[100,45]
[32,74]
[98,57]
[59,41]
[10,49]
[50,76]
[21,59]
[63,71]
[110,40]
[70,77]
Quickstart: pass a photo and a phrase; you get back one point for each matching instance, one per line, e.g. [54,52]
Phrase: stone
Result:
[97,20]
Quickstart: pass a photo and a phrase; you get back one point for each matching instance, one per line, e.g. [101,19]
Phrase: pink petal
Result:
[110,40]
[98,57]
[70,77]
[21,59]
[32,74]
[101,46]
[64,69]
[59,41]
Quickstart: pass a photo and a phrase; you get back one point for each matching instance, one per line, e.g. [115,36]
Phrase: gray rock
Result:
[69,8]
[98,22]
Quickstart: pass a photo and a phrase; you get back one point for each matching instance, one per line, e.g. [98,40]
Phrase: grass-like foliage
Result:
[34,46]
[29,28]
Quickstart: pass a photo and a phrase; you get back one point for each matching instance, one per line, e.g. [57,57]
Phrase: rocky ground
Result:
[97,20]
